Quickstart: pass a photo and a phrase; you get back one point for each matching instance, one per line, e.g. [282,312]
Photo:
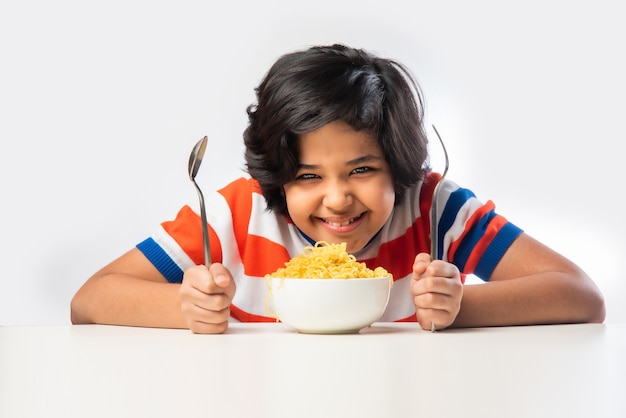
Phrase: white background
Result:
[101,102]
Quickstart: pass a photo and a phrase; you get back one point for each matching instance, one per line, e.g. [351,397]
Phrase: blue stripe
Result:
[471,238]
[313,242]
[161,260]
[306,237]
[496,249]
[455,202]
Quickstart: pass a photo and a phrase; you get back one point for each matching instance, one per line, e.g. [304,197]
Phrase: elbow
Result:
[78,311]
[592,307]
[596,310]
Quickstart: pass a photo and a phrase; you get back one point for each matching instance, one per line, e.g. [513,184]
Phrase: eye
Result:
[306,176]
[362,170]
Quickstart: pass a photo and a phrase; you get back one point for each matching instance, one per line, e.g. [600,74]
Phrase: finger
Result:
[199,327]
[421,262]
[222,280]
[210,280]
[215,302]
[431,318]
[438,268]
[213,313]
[199,278]
[444,286]
[439,308]
[435,301]
[211,309]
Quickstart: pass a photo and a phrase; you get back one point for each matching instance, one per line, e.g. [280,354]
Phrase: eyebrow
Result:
[357,161]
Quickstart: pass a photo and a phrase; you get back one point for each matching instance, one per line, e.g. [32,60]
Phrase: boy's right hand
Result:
[205,297]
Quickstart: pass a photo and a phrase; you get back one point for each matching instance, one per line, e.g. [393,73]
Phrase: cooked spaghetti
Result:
[326,261]
[322,261]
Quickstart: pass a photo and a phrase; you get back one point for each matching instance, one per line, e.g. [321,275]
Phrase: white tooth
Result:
[338,224]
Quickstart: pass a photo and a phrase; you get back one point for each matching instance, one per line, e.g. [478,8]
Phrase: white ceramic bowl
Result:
[329,306]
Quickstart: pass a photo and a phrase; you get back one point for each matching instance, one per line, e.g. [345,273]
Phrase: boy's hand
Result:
[205,297]
[437,291]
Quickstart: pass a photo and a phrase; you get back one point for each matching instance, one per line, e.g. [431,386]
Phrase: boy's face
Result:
[343,191]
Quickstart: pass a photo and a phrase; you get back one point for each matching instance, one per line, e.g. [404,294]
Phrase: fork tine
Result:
[445,152]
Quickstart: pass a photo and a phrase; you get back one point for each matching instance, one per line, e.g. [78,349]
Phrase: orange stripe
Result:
[186,230]
[479,249]
[262,256]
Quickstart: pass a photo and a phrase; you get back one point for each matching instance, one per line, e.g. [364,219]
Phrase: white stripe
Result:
[402,217]
[172,249]
[221,220]
[400,304]
[459,225]
[251,294]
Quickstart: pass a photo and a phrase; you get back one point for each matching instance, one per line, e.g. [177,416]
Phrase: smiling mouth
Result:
[340,224]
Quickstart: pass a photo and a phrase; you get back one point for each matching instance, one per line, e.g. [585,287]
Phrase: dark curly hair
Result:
[308,89]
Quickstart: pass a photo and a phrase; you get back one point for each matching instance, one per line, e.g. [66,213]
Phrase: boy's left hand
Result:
[437,291]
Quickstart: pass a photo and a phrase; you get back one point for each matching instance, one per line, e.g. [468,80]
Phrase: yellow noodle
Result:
[322,261]
[326,261]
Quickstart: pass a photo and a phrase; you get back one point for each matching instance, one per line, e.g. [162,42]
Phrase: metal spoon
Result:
[434,228]
[194,165]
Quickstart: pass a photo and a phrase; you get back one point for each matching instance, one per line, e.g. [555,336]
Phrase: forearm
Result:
[127,300]
[545,298]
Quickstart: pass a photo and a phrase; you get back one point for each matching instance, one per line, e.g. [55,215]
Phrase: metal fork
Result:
[434,224]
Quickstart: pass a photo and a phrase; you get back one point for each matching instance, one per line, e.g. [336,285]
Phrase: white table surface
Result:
[269,370]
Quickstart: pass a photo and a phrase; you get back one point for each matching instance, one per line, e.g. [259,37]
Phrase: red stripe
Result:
[426,200]
[244,316]
[412,318]
[397,256]
[479,249]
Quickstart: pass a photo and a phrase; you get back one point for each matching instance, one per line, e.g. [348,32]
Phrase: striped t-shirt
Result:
[252,241]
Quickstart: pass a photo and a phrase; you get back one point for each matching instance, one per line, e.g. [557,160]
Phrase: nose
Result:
[337,195]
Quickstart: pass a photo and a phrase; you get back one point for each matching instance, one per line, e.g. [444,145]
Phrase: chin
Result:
[355,247]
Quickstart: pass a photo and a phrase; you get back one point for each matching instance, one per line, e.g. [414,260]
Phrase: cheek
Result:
[387,203]
[297,201]
[386,198]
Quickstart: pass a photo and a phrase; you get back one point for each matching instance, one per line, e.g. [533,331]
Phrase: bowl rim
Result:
[333,279]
